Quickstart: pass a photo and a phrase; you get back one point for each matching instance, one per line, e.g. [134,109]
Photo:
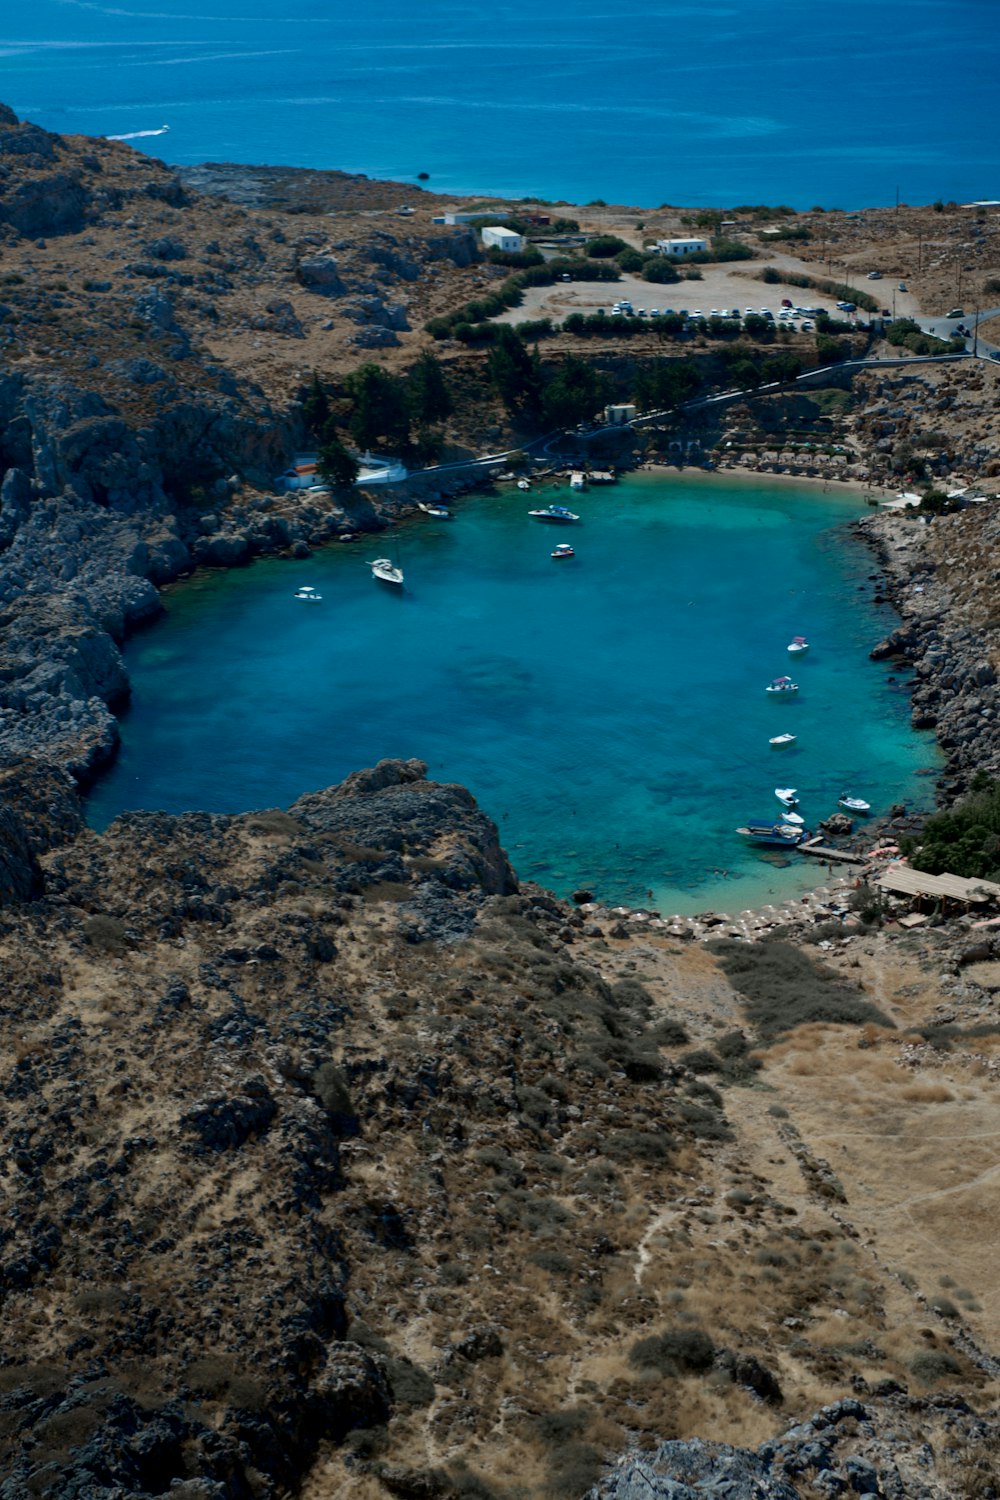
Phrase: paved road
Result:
[945,328]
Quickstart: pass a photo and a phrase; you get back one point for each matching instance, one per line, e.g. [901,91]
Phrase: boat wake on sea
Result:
[138,135]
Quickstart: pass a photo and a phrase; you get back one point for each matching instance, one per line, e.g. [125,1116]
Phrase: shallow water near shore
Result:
[608,711]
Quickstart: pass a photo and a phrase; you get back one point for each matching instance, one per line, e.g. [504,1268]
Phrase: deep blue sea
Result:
[609,711]
[644,102]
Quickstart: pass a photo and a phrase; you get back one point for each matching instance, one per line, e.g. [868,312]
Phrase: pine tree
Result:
[427,394]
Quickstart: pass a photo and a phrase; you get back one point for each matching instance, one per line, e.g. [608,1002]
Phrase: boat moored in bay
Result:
[386,571]
[557,513]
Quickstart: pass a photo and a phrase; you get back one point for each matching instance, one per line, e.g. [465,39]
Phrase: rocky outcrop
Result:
[940,578]
[319,273]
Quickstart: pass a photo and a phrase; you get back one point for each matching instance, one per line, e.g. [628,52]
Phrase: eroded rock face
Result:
[225,1079]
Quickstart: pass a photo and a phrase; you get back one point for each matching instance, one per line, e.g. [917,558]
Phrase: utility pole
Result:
[975,334]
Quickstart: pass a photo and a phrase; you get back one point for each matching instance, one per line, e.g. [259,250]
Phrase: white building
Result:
[495,236]
[619,416]
[457,217]
[681,247]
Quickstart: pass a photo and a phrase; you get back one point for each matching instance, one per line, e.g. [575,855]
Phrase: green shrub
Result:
[701,1060]
[932,1365]
[410,1385]
[551,1260]
[604,246]
[573,1469]
[704,1124]
[678,1351]
[667,1033]
[105,933]
[638,1145]
[660,270]
[629,260]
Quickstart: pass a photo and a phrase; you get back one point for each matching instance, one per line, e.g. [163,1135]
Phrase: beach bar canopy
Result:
[900,880]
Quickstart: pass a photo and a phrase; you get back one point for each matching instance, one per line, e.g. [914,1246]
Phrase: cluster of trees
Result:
[376,406]
[906,334]
[510,293]
[965,840]
[838,289]
[569,394]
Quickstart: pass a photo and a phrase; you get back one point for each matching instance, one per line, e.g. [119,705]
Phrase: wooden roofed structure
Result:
[901,880]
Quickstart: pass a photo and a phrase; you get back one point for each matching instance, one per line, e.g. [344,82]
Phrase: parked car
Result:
[874,275]
[956,312]
[786,302]
[901,287]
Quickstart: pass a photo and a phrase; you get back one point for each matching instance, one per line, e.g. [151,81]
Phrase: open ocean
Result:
[608,712]
[690,103]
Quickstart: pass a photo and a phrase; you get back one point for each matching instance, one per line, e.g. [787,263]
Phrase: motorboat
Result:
[778,741]
[439,512]
[853,804]
[557,513]
[386,571]
[308,595]
[523,484]
[798,645]
[782,685]
[764,831]
[563,550]
[788,796]
[794,818]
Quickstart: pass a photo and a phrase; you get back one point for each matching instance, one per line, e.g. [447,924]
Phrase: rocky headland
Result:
[339,1161]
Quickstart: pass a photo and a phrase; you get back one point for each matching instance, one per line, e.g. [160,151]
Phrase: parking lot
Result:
[721,286]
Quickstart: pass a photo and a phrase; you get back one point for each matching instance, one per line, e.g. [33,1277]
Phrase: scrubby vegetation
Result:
[783,988]
[965,840]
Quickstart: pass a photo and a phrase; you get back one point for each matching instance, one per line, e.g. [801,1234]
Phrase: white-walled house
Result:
[495,236]
[681,247]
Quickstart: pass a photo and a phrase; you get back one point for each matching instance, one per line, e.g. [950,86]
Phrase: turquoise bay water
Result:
[716,103]
[608,711]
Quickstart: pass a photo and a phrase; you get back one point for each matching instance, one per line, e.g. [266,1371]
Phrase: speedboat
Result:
[554,513]
[439,512]
[794,818]
[385,570]
[782,685]
[308,595]
[787,795]
[798,645]
[853,804]
[779,740]
[763,831]
[563,550]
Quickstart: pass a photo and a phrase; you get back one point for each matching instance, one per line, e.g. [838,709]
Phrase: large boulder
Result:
[319,273]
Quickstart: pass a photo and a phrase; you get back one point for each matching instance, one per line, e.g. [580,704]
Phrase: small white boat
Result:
[782,685]
[523,484]
[798,645]
[439,512]
[787,795]
[853,804]
[794,818]
[557,513]
[563,550]
[308,595]
[777,741]
[385,570]
[783,833]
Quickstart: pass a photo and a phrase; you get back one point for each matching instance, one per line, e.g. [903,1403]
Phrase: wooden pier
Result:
[819,849]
